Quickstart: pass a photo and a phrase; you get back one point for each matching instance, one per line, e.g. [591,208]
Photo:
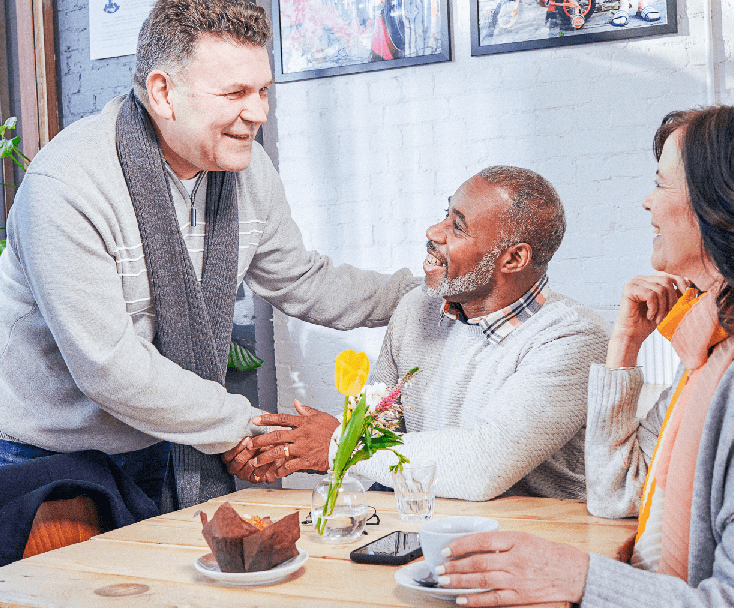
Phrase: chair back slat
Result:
[59,523]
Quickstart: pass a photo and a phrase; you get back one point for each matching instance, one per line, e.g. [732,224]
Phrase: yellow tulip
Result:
[350,372]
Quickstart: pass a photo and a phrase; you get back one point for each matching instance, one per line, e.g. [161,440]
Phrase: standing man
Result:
[126,244]
[500,399]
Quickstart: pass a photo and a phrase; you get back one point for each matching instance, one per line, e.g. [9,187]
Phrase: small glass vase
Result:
[347,520]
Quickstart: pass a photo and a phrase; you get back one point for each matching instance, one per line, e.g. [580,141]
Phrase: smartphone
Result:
[393,549]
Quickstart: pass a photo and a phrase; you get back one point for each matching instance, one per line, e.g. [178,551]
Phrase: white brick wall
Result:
[368,160]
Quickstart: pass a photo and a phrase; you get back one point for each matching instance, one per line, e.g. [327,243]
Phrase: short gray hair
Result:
[168,37]
[535,215]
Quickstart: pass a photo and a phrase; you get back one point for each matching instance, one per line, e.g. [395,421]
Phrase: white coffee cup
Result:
[440,531]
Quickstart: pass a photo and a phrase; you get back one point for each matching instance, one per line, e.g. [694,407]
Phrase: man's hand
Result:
[304,444]
[645,302]
[518,567]
[238,456]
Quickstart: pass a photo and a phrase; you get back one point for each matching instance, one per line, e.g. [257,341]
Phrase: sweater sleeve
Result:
[535,413]
[619,445]
[386,369]
[62,242]
[308,286]
[612,584]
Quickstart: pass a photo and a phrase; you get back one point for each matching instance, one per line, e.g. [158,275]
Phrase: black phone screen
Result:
[395,548]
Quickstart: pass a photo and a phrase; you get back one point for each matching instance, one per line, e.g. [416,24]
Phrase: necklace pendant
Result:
[193,217]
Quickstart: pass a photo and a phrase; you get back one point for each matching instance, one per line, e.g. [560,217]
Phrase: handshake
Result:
[301,443]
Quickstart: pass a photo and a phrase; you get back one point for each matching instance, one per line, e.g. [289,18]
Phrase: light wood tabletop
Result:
[151,563]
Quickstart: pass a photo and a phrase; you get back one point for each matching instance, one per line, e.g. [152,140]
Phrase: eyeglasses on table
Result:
[374,516]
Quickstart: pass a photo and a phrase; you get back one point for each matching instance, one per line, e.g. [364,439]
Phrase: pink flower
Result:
[390,400]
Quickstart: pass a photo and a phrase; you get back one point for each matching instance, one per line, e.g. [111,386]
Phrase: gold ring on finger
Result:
[285,451]
[256,478]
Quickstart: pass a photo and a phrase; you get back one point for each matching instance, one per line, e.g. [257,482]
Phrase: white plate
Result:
[252,578]
[406,574]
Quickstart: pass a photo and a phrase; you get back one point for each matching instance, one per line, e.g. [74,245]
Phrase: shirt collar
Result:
[496,326]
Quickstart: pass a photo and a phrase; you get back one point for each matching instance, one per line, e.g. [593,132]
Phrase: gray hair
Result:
[168,37]
[535,215]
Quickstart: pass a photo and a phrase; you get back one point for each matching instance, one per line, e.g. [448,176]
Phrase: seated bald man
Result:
[500,401]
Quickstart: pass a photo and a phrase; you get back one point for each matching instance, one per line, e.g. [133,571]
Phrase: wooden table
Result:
[151,563]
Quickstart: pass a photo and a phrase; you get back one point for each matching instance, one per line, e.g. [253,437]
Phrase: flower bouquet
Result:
[371,415]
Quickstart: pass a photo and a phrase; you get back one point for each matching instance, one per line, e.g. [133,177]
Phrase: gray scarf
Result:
[193,322]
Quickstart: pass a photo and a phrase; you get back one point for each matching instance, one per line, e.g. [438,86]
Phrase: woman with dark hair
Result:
[675,467]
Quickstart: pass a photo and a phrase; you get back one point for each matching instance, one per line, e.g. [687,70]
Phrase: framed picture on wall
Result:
[316,38]
[502,26]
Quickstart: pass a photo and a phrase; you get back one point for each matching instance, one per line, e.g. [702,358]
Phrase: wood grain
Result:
[43,34]
[28,115]
[60,523]
[155,558]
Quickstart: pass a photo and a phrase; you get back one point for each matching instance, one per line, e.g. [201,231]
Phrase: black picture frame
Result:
[504,26]
[321,38]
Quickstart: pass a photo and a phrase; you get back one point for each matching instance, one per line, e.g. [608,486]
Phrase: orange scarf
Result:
[665,515]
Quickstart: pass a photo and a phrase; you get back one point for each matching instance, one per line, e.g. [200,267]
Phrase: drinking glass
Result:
[415,494]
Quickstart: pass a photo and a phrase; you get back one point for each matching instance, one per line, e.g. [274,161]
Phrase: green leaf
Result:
[242,359]
[401,461]
[384,443]
[10,123]
[17,162]
[6,148]
[368,439]
[388,433]
[350,436]
[2,245]
[360,455]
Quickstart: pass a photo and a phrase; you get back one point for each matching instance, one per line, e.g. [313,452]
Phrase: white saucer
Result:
[406,574]
[251,578]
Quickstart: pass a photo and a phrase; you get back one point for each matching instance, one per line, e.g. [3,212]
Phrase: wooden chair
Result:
[59,523]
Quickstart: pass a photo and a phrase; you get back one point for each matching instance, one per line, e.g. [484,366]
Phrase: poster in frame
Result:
[317,38]
[502,26]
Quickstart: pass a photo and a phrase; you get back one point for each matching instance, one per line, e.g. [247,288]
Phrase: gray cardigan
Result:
[78,369]
[618,451]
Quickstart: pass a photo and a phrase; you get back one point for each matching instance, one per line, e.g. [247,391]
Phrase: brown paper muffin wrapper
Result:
[240,546]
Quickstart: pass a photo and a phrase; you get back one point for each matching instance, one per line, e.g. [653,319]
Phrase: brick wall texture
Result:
[368,160]
[85,85]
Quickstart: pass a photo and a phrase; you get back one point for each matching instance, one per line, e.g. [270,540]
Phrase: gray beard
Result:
[479,276]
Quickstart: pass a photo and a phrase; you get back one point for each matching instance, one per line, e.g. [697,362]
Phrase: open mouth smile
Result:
[435,264]
[432,260]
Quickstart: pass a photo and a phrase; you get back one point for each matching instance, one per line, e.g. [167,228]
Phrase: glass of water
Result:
[415,493]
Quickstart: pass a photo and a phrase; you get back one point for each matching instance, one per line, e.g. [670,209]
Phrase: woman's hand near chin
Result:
[645,303]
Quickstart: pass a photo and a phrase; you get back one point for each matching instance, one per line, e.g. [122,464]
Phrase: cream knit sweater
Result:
[496,418]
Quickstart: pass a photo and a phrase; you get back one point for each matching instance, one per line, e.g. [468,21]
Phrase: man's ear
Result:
[516,258]
[160,88]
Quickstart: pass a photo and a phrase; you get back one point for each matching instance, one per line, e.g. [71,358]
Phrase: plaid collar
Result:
[497,325]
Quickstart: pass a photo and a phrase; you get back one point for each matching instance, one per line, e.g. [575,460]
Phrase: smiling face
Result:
[677,244]
[463,248]
[219,100]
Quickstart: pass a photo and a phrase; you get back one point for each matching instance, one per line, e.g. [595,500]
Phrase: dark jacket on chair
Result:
[23,487]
